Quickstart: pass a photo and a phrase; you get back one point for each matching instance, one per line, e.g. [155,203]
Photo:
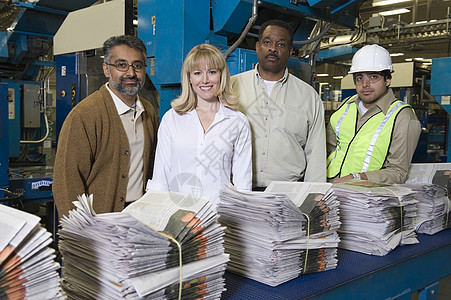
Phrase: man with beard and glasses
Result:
[285,113]
[372,135]
[107,143]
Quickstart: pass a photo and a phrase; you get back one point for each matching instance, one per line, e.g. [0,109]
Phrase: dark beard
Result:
[127,89]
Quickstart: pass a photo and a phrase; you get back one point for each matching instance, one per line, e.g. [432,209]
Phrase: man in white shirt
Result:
[286,114]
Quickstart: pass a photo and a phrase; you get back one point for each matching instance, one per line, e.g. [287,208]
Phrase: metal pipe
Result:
[249,24]
[47,129]
[44,138]
[414,11]
[320,35]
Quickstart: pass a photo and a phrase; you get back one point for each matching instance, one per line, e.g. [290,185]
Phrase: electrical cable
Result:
[314,39]
[11,197]
[359,33]
[248,27]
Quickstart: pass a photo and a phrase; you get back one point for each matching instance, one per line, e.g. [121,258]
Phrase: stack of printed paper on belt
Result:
[439,174]
[135,253]
[27,266]
[433,207]
[273,239]
[375,217]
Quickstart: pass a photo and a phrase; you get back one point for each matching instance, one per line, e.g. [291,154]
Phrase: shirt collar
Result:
[383,103]
[121,107]
[223,111]
[283,79]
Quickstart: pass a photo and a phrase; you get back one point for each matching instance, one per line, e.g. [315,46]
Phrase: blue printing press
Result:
[397,275]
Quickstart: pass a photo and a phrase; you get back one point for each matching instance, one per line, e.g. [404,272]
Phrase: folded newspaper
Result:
[27,265]
[277,235]
[433,206]
[431,181]
[376,217]
[144,251]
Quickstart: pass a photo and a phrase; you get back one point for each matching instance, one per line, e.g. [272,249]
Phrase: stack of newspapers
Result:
[162,246]
[433,207]
[27,265]
[277,235]
[438,174]
[376,217]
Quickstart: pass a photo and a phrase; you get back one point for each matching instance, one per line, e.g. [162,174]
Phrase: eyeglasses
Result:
[372,78]
[124,66]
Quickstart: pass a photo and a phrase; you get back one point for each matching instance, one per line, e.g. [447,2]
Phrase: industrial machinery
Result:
[4,136]
[171,28]
[27,28]
[441,90]
[168,28]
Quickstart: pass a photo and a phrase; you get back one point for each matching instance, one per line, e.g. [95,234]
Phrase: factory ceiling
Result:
[424,31]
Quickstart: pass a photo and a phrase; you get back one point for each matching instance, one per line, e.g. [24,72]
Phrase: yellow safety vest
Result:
[366,149]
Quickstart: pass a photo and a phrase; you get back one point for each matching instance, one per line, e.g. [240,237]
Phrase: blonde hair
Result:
[213,58]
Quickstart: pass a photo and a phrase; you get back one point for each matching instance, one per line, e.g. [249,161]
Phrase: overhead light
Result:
[387,2]
[322,75]
[427,63]
[396,54]
[338,77]
[423,59]
[408,59]
[135,22]
[421,22]
[394,12]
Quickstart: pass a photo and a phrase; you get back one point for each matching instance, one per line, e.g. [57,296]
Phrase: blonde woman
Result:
[203,141]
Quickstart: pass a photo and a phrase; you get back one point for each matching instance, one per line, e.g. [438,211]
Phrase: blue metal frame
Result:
[337,53]
[170,29]
[69,84]
[441,89]
[35,19]
[4,137]
[36,186]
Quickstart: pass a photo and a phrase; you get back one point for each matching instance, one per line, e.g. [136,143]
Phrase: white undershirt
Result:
[269,86]
[362,108]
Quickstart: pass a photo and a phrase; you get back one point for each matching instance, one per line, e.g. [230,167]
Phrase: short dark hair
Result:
[128,40]
[386,74]
[278,23]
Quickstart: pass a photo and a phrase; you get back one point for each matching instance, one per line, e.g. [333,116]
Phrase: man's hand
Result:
[349,177]
[342,179]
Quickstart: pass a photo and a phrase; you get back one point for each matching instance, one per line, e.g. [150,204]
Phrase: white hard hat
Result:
[371,58]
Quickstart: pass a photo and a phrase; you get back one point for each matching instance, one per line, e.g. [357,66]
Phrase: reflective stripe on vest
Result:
[337,129]
[356,152]
[370,150]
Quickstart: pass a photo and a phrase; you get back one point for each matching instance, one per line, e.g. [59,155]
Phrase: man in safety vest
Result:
[372,136]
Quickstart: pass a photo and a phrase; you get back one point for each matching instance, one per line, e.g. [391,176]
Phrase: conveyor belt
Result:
[359,276]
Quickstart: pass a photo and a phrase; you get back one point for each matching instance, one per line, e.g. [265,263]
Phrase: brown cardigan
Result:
[93,154]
